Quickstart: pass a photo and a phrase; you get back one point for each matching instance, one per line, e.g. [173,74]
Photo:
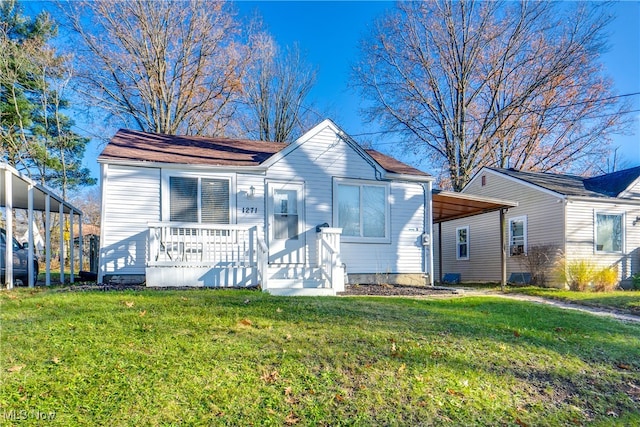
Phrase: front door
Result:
[287,241]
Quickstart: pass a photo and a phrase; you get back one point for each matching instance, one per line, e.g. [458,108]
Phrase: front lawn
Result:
[207,357]
[621,300]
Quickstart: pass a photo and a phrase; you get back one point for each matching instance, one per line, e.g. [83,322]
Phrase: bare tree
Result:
[472,84]
[276,89]
[162,66]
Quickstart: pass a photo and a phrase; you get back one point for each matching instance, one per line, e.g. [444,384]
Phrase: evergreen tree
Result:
[36,136]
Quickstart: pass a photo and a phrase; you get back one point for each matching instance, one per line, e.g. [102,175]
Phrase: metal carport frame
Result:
[18,191]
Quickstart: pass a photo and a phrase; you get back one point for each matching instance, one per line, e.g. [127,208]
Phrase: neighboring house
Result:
[595,219]
[293,218]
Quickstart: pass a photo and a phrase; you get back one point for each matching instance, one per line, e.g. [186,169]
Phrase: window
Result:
[518,236]
[462,243]
[608,232]
[361,210]
[195,199]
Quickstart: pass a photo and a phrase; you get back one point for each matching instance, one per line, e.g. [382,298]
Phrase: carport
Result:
[18,191]
[448,206]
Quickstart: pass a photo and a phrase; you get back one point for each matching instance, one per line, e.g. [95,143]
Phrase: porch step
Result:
[301,292]
[296,284]
[293,272]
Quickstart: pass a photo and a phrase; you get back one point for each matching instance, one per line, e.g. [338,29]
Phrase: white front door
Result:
[287,241]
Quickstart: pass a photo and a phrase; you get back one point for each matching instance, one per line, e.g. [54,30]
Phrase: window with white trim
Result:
[361,210]
[608,232]
[198,199]
[518,236]
[462,243]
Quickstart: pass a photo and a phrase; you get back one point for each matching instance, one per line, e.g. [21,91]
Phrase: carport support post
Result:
[47,239]
[30,252]
[71,246]
[8,206]
[61,221]
[503,249]
[440,253]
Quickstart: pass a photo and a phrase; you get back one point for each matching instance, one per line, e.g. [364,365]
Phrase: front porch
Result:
[217,255]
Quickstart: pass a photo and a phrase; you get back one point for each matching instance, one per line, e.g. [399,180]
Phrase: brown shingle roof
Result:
[394,166]
[192,150]
[196,150]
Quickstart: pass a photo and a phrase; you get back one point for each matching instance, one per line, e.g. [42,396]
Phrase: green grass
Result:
[622,300]
[206,357]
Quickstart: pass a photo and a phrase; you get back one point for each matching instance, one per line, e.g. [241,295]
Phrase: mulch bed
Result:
[396,290]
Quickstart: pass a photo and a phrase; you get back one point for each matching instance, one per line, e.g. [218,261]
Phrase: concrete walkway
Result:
[560,304]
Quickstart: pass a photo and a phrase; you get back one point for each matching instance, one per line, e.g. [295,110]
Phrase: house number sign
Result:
[249,210]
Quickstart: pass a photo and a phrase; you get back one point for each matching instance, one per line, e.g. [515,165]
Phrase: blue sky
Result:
[329,33]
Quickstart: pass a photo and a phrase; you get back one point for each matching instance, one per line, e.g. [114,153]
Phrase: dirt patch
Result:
[397,290]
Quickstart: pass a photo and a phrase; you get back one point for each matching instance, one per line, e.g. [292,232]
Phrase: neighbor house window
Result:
[518,235]
[196,199]
[361,210]
[462,243]
[608,232]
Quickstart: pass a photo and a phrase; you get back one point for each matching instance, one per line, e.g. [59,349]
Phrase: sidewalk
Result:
[560,304]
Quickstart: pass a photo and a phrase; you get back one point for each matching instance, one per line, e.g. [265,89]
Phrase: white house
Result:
[294,218]
[595,219]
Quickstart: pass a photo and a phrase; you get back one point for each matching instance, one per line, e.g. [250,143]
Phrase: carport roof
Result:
[20,184]
[448,205]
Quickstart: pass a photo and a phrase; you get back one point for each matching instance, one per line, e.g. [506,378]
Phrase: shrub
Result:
[537,261]
[606,279]
[580,274]
[635,281]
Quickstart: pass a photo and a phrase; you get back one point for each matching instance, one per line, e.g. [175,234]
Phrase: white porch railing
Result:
[230,255]
[193,244]
[329,261]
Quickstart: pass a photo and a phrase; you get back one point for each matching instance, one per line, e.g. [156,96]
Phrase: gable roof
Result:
[607,185]
[130,145]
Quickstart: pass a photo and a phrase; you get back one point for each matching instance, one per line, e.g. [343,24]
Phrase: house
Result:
[595,219]
[294,218]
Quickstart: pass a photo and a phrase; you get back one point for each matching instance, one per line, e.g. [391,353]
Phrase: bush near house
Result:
[583,275]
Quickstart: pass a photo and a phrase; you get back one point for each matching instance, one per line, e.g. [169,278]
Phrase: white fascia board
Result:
[513,179]
[326,123]
[186,166]
[614,200]
[405,177]
[625,193]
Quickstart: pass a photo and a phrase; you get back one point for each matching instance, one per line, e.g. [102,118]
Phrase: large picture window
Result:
[361,210]
[608,232]
[195,199]
[518,236]
[462,243]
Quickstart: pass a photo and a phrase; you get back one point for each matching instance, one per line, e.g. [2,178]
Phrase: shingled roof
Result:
[607,185]
[130,145]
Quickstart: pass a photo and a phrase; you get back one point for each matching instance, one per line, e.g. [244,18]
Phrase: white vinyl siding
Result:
[314,162]
[462,243]
[125,230]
